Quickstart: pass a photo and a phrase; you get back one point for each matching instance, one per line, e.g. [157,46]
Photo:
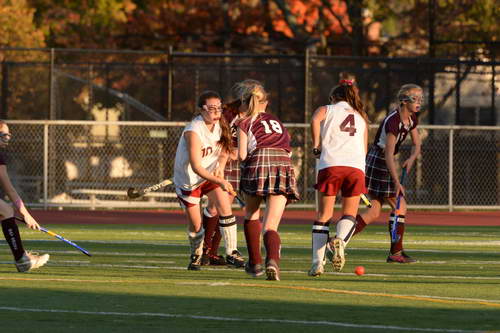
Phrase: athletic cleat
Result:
[205,259]
[338,259]
[31,261]
[235,259]
[402,258]
[254,270]
[328,253]
[272,271]
[317,269]
[195,264]
[216,260]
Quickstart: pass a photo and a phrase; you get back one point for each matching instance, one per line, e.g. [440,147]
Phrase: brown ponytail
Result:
[346,91]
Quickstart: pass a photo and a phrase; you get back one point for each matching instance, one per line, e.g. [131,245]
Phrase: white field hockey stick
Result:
[133,193]
[396,215]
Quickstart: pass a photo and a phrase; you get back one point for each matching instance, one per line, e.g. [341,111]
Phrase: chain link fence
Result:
[110,85]
[92,164]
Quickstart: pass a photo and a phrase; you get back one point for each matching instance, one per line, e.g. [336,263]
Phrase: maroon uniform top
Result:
[265,131]
[232,119]
[393,124]
[3,158]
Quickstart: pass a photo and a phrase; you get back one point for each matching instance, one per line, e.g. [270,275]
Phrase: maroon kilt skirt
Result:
[378,179]
[269,171]
[232,173]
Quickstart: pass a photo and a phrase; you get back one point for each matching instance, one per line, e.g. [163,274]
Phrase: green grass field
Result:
[137,281]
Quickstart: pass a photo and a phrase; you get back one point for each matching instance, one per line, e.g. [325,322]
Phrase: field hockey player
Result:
[382,179]
[340,139]
[199,170]
[24,260]
[267,174]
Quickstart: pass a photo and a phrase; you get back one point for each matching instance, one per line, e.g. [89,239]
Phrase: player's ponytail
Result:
[346,91]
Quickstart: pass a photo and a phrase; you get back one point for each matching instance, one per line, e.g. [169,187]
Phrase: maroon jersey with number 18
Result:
[265,131]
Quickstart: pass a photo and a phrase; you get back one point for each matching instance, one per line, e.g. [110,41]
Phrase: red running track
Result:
[481,218]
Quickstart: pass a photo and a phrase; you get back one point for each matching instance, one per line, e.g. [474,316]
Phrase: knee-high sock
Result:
[397,245]
[210,224]
[320,232]
[360,225]
[12,236]
[252,235]
[345,228]
[196,241]
[272,242]
[228,230]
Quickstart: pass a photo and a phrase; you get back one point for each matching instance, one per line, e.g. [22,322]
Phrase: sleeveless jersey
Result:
[184,176]
[265,131]
[342,137]
[393,124]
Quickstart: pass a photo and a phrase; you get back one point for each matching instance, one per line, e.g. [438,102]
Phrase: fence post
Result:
[5,90]
[450,171]
[45,164]
[52,106]
[170,81]
[307,121]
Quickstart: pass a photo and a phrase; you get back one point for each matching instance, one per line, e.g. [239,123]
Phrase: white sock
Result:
[345,228]
[196,241]
[320,231]
[228,229]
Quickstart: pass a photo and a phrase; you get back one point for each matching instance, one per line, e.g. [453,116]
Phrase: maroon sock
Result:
[397,246]
[210,224]
[272,242]
[252,236]
[360,225]
[11,232]
[215,242]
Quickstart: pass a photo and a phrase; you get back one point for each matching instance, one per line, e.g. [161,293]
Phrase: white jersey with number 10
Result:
[184,176]
[342,137]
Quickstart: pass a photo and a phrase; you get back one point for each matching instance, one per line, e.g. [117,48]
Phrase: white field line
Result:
[132,242]
[443,242]
[224,268]
[235,319]
[222,284]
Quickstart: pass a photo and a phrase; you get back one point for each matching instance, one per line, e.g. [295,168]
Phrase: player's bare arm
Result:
[11,192]
[194,148]
[417,144]
[391,165]
[242,145]
[317,118]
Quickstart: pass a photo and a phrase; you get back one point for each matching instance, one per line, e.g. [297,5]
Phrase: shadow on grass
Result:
[44,310]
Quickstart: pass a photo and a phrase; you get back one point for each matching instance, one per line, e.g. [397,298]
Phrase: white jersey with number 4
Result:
[184,176]
[342,137]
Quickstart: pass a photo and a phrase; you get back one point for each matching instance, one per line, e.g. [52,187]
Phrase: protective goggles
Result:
[5,137]
[412,98]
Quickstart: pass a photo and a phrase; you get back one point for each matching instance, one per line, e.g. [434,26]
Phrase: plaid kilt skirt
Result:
[378,179]
[269,171]
[232,173]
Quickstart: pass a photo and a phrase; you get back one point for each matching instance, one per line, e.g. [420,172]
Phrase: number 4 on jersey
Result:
[348,125]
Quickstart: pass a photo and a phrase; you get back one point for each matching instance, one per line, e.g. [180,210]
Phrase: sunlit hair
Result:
[225,138]
[403,95]
[251,93]
[346,91]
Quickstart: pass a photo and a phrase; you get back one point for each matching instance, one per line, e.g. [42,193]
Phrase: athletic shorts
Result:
[193,197]
[351,181]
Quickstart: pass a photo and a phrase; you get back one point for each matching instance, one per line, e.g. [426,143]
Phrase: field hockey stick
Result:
[366,201]
[396,215]
[240,201]
[60,238]
[133,193]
